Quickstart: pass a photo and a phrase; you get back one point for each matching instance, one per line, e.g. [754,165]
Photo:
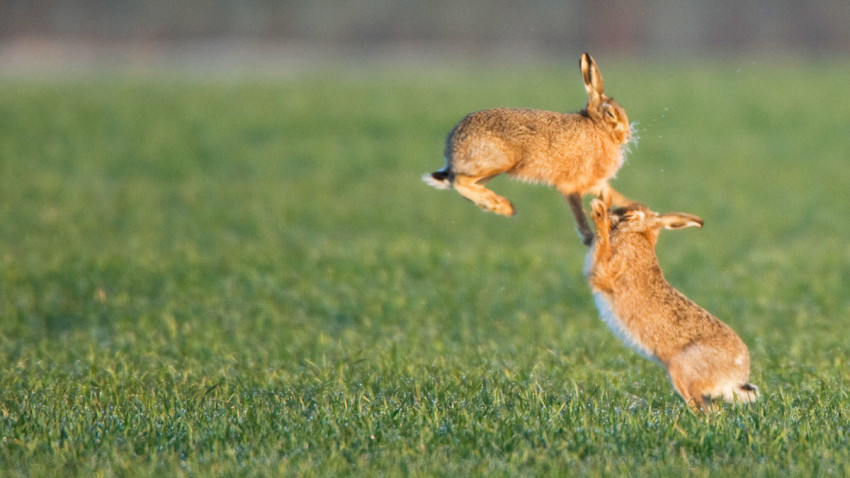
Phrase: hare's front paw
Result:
[598,209]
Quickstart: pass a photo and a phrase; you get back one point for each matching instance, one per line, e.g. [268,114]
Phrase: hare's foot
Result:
[689,387]
[499,205]
[484,198]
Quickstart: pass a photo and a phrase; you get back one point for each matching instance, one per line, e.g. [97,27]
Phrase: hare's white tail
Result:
[438,179]
[746,393]
[738,393]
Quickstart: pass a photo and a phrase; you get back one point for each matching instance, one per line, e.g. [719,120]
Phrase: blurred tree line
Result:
[641,26]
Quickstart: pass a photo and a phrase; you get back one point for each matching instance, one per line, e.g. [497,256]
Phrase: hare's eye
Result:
[610,113]
[634,216]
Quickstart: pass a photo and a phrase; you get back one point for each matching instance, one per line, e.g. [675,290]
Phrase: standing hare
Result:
[575,152]
[703,356]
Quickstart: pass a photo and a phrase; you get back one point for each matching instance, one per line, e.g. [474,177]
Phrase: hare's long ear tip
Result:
[677,220]
[691,222]
[694,221]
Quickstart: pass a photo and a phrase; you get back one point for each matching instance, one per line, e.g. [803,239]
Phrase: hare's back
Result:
[532,145]
[509,124]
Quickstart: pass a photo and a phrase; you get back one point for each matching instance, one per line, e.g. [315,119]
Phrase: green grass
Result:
[246,277]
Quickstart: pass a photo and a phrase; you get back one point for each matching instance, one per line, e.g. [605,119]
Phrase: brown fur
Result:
[703,356]
[575,152]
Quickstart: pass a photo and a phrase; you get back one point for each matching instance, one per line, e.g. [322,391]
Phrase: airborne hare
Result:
[577,153]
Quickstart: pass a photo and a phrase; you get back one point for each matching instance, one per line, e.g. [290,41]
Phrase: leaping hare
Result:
[703,356]
[575,152]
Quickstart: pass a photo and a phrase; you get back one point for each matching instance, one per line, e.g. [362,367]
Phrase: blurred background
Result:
[47,34]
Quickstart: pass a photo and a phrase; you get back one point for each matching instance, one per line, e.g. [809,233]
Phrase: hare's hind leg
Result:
[688,383]
[473,189]
[474,161]
[693,400]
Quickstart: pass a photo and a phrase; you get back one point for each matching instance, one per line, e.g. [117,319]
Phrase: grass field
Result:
[245,277]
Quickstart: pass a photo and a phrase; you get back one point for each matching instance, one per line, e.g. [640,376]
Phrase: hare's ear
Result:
[678,220]
[592,80]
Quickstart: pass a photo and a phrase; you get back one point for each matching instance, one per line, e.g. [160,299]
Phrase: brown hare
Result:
[575,152]
[703,356]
